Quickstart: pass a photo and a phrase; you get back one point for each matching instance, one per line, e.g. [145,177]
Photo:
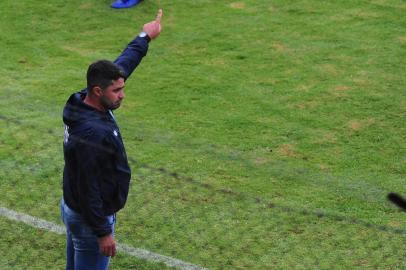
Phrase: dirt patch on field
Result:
[86,6]
[260,161]
[395,224]
[306,105]
[237,5]
[281,48]
[357,125]
[287,150]
[342,88]
[330,69]
[402,39]
[324,167]
[329,137]
[354,125]
[367,15]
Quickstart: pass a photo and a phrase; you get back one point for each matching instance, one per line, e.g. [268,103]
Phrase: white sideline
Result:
[136,252]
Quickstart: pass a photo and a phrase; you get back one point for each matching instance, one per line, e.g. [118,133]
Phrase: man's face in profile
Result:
[113,95]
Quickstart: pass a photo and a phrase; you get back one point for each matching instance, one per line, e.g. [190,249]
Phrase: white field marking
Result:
[132,251]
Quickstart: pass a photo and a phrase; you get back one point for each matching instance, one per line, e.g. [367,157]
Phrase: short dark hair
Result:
[102,73]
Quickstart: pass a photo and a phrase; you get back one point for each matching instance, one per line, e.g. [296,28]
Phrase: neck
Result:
[94,103]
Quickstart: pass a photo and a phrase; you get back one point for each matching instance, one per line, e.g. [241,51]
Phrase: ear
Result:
[97,91]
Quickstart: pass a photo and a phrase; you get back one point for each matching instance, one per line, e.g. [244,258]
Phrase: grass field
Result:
[262,134]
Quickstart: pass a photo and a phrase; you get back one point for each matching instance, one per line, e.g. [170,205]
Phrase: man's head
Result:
[105,83]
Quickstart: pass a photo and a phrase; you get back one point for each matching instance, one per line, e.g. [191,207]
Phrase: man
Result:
[125,3]
[97,175]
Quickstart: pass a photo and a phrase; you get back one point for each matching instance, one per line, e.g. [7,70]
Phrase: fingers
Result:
[153,29]
[113,251]
[109,250]
[159,16]
[107,246]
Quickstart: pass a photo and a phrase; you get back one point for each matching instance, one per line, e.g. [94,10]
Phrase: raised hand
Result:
[153,29]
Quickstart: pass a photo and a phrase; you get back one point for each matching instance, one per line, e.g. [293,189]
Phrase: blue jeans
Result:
[82,247]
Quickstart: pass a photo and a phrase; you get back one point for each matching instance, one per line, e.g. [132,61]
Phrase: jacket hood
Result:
[76,111]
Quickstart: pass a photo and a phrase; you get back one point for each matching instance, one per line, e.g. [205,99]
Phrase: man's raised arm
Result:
[137,49]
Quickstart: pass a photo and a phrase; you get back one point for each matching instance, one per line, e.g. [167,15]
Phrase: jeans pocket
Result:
[79,228]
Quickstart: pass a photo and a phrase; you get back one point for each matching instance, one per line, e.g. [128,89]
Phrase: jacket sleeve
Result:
[132,55]
[91,155]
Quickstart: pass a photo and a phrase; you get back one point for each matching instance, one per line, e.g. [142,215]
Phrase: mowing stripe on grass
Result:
[132,251]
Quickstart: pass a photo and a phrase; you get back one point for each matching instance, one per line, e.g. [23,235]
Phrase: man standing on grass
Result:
[97,175]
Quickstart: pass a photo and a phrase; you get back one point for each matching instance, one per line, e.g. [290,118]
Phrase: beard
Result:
[108,104]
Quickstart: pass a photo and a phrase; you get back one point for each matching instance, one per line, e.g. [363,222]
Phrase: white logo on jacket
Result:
[66,135]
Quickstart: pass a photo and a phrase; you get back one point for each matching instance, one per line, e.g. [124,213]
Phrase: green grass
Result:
[298,103]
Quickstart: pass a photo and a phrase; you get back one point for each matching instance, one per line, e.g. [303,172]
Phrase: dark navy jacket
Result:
[96,176]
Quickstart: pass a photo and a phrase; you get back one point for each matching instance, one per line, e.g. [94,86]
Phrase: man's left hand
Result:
[153,29]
